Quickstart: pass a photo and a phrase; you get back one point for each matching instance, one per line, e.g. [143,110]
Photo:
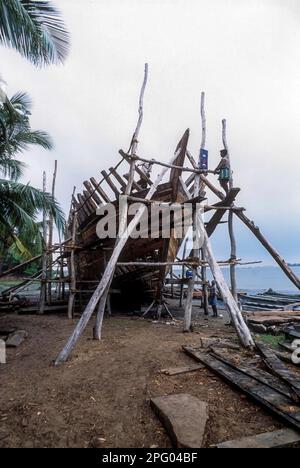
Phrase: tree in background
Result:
[35,29]
[20,204]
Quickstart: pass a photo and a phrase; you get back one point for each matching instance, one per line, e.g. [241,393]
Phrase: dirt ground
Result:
[104,390]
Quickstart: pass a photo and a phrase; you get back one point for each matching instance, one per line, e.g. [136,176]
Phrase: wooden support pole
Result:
[231,305]
[72,272]
[44,261]
[61,288]
[233,247]
[194,171]
[183,271]
[202,186]
[204,285]
[196,252]
[50,241]
[106,278]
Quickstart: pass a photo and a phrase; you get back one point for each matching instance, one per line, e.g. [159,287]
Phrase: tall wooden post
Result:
[50,242]
[231,305]
[233,254]
[196,252]
[44,258]
[61,286]
[72,272]
[183,272]
[202,187]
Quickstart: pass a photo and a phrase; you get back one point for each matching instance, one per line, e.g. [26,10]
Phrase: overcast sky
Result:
[245,54]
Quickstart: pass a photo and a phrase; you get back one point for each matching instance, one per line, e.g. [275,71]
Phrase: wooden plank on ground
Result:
[182,370]
[266,320]
[275,364]
[256,373]
[285,438]
[269,398]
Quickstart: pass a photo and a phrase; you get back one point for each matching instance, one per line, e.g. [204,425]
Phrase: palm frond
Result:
[20,205]
[11,168]
[21,101]
[35,29]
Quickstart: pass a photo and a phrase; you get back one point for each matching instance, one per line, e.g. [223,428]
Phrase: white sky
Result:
[245,54]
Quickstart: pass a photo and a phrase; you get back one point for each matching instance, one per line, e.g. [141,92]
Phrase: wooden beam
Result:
[217,217]
[72,272]
[135,185]
[44,262]
[89,201]
[92,192]
[50,240]
[110,183]
[100,190]
[137,169]
[118,178]
[231,305]
[85,208]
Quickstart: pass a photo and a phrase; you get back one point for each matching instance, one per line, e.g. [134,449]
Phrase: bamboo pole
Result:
[233,247]
[50,240]
[124,211]
[44,261]
[194,171]
[231,305]
[196,252]
[202,253]
[183,271]
[72,273]
[106,278]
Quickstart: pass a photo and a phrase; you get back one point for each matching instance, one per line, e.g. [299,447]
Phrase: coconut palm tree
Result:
[15,130]
[35,29]
[20,204]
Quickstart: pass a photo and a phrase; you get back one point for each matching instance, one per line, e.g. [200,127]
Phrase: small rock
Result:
[16,339]
[97,442]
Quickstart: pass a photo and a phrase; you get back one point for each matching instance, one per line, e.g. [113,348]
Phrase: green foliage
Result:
[35,29]
[16,135]
[21,204]
[272,340]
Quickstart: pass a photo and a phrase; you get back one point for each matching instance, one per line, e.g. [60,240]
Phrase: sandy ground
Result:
[104,390]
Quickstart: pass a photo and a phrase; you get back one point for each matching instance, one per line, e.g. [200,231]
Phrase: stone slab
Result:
[16,339]
[185,418]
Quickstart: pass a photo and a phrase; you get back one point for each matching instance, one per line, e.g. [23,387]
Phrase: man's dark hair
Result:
[224,153]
